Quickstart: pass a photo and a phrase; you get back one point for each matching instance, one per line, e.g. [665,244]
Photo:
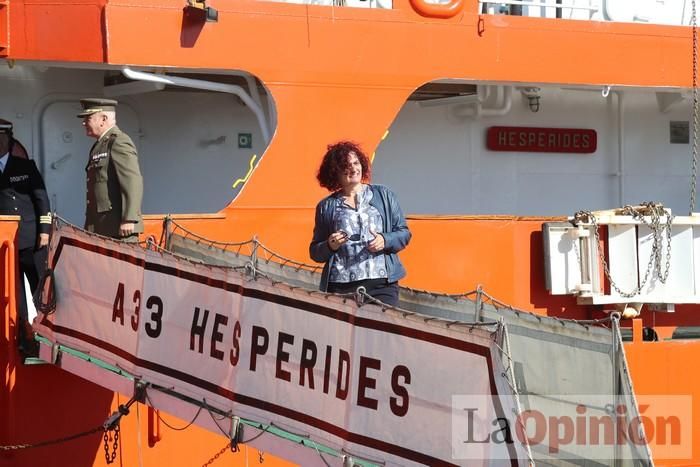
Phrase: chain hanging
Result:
[694,163]
[213,458]
[654,211]
[17,447]
[110,425]
[112,422]
[110,456]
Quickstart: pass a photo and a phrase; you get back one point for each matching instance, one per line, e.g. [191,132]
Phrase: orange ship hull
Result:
[311,75]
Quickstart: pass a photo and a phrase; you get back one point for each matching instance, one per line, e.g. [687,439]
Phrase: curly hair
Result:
[335,161]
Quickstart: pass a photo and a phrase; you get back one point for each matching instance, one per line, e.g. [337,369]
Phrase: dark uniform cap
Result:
[94,105]
[5,127]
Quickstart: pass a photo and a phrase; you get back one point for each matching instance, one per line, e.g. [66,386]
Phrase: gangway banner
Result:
[379,385]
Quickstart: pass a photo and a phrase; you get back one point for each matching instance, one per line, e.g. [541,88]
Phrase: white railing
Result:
[545,8]
[675,12]
[386,4]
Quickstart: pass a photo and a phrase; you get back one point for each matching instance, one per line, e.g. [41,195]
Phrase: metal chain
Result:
[111,424]
[16,447]
[115,445]
[109,457]
[216,456]
[694,163]
[654,211]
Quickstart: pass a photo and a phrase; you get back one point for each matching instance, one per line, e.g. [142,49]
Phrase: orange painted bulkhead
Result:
[333,73]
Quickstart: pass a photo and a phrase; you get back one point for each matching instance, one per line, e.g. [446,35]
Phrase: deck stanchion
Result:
[8,310]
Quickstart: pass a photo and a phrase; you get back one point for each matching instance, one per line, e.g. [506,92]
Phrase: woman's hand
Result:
[377,243]
[336,239]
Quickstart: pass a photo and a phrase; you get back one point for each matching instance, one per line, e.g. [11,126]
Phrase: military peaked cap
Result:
[94,105]
[5,127]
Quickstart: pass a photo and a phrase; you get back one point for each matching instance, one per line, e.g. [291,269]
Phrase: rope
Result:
[46,306]
[297,265]
[169,425]
[628,382]
[250,440]
[200,239]
[325,462]
[213,418]
[285,262]
[510,374]
[615,357]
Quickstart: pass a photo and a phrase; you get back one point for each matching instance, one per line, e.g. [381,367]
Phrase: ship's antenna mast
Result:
[694,165]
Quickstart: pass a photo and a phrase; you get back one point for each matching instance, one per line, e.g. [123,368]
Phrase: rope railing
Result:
[238,246]
[473,296]
[510,377]
[255,246]
[284,261]
[478,297]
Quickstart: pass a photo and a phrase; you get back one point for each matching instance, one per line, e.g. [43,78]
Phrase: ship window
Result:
[438,142]
[196,146]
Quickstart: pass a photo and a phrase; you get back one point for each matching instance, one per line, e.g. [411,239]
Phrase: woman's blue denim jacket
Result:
[396,234]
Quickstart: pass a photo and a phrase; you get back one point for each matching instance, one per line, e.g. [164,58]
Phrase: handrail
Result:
[438,10]
[544,4]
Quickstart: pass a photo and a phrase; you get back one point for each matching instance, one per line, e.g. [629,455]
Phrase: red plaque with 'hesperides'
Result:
[531,139]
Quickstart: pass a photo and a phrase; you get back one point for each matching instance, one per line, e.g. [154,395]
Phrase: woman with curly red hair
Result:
[359,228]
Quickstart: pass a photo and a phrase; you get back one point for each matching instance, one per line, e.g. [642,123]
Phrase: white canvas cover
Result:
[555,366]
[379,384]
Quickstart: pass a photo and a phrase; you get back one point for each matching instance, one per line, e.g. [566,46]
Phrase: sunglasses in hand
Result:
[353,238]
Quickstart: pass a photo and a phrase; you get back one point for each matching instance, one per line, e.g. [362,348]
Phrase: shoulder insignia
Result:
[19,178]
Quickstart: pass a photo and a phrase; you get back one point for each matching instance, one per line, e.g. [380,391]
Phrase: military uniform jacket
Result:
[22,193]
[114,185]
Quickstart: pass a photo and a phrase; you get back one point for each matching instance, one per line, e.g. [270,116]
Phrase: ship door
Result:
[63,151]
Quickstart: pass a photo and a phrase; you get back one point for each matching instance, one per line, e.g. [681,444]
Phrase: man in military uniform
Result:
[114,182]
[22,193]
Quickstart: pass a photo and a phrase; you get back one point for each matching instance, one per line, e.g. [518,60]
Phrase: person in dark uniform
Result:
[114,182]
[22,193]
